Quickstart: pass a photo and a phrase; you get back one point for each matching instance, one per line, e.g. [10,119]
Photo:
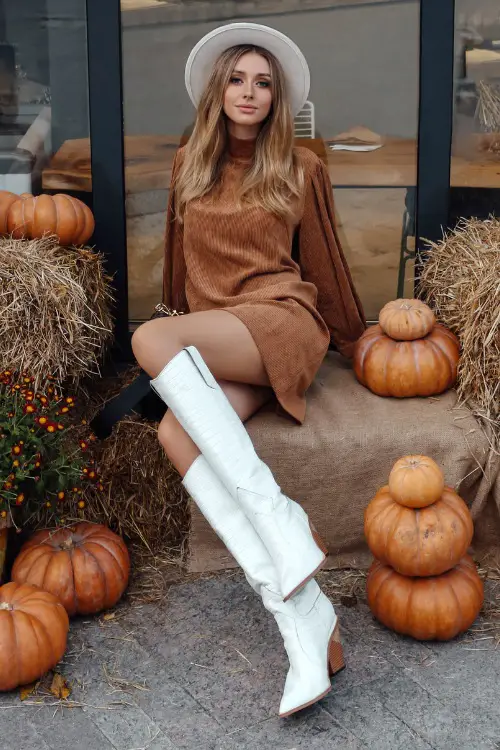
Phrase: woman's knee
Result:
[153,345]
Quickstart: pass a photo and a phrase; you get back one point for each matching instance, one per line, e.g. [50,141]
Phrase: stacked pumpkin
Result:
[59,573]
[422,583]
[407,353]
[31,217]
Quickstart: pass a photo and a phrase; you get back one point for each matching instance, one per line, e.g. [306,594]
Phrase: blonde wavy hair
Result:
[275,179]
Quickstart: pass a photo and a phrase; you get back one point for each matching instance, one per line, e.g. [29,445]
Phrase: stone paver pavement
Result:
[205,669]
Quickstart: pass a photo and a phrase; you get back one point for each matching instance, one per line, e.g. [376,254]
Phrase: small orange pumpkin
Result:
[403,369]
[6,200]
[422,542]
[416,481]
[68,218]
[406,319]
[33,633]
[435,608]
[86,566]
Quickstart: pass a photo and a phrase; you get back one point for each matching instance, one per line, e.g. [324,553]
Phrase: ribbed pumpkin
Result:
[68,218]
[435,608]
[406,319]
[421,542]
[403,369]
[86,566]
[33,633]
[6,200]
[416,481]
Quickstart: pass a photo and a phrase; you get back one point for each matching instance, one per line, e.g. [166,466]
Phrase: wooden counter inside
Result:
[148,164]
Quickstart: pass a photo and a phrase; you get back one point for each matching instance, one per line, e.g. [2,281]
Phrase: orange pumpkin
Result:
[6,200]
[33,633]
[435,608]
[423,542]
[416,481]
[86,566]
[406,319]
[403,369]
[68,218]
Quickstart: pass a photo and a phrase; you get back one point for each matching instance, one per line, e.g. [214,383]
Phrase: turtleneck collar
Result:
[241,149]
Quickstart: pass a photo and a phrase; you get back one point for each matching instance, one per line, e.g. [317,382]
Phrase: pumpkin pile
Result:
[422,582]
[407,353]
[29,217]
[59,573]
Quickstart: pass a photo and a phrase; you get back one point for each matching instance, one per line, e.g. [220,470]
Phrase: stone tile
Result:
[368,719]
[465,676]
[68,729]
[311,729]
[17,731]
[429,717]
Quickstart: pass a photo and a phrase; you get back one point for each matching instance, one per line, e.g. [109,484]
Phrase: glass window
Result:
[43,95]
[476,125]
[364,69]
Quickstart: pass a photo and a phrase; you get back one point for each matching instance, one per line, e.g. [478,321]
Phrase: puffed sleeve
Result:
[323,263]
[174,266]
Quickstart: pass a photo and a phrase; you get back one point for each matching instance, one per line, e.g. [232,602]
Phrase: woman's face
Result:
[248,97]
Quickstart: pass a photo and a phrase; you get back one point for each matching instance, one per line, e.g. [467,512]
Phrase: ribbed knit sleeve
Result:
[323,263]
[174,265]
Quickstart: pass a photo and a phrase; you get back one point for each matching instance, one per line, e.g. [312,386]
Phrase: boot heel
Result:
[319,541]
[336,660]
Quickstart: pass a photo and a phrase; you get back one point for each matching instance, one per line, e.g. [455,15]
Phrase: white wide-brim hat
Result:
[204,55]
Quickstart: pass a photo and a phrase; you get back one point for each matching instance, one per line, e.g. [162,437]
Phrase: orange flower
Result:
[42,420]
[81,504]
[37,464]
[3,514]
[16,463]
[16,450]
[10,414]
[7,485]
[20,499]
[84,421]
[48,504]
[70,399]
[84,445]
[60,426]
[92,475]
[11,477]
[61,495]
[29,409]
[51,427]
[64,409]
[100,487]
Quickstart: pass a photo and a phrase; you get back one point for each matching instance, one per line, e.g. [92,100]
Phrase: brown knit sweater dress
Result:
[237,259]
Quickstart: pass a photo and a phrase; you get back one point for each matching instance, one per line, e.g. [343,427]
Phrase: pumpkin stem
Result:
[67,544]
[6,605]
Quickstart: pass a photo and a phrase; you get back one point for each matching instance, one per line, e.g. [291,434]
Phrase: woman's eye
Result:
[235,79]
[263,84]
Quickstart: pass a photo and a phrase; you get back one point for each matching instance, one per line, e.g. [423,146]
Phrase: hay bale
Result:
[461,282]
[54,309]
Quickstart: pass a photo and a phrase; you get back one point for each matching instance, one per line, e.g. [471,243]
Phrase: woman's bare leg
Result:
[224,342]
[229,351]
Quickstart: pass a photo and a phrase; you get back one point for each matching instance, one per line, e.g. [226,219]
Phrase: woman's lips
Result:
[246,109]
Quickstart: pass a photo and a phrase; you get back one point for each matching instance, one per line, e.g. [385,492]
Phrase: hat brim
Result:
[204,55]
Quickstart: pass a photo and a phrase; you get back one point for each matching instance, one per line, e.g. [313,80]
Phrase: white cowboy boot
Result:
[307,621]
[310,631]
[188,387]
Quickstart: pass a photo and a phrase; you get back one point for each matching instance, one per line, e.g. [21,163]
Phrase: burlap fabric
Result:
[334,463]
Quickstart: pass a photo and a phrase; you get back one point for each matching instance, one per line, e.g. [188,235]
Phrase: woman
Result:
[259,323]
